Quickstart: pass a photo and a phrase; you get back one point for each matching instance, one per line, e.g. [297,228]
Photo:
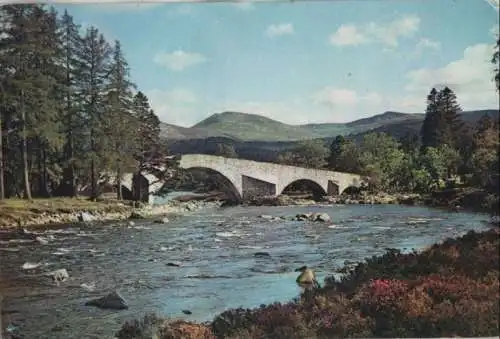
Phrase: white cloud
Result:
[244,5]
[425,43]
[179,60]
[347,35]
[373,32]
[279,29]
[470,77]
[176,106]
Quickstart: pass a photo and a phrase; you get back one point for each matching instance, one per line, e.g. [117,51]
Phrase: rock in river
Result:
[111,301]
[59,275]
[323,217]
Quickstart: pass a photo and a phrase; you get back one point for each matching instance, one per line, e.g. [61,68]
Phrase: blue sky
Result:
[301,62]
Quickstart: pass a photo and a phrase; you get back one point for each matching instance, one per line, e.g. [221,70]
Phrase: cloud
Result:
[373,32]
[425,43]
[174,106]
[470,77]
[347,35]
[279,29]
[244,5]
[179,60]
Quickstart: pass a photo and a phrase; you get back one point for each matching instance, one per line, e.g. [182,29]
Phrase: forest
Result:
[69,111]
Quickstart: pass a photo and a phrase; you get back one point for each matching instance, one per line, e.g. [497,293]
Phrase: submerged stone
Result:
[110,301]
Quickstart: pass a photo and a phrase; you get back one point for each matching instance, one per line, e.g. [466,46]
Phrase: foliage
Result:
[450,289]
[67,107]
[307,153]
[225,150]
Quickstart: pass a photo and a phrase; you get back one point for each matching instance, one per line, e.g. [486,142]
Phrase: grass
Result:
[16,211]
[450,289]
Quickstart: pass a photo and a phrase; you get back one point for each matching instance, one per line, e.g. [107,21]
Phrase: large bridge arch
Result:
[230,184]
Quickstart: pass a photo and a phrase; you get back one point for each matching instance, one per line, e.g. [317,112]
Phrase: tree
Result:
[485,153]
[336,148]
[149,152]
[93,81]
[381,159]
[71,44]
[118,119]
[309,153]
[496,61]
[428,132]
[225,150]
[451,126]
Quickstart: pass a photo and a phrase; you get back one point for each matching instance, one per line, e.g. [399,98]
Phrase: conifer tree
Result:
[93,81]
[119,123]
[428,132]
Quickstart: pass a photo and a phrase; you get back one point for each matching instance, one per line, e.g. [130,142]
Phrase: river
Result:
[216,249]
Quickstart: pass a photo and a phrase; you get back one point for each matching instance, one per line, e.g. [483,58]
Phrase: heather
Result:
[449,289]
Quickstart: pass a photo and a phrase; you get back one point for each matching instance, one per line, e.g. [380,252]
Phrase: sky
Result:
[302,62]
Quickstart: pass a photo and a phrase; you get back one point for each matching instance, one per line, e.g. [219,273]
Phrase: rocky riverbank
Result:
[470,199]
[65,211]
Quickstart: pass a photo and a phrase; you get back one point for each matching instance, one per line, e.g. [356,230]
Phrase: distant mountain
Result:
[256,128]
[252,127]
[262,138]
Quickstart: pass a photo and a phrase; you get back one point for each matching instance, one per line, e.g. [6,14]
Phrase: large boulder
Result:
[306,276]
[322,217]
[111,301]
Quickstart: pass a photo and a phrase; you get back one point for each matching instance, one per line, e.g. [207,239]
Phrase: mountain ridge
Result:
[249,127]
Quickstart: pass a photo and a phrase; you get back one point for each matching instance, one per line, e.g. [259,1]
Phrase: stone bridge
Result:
[251,178]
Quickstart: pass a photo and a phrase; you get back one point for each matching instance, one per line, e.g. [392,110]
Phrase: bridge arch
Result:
[305,184]
[229,185]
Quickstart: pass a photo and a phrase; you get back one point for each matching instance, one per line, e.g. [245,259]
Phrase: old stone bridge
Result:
[247,179]
[251,178]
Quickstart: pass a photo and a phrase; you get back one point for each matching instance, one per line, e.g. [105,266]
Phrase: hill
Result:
[204,136]
[256,128]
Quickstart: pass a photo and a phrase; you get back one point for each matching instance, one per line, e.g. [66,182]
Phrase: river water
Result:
[218,268]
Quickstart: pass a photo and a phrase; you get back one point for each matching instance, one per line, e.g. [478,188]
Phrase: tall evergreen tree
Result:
[428,132]
[93,82]
[450,126]
[71,45]
[336,148]
[119,122]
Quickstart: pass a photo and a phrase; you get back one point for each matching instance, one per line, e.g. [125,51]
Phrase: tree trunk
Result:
[2,186]
[119,192]
[27,188]
[93,176]
[45,187]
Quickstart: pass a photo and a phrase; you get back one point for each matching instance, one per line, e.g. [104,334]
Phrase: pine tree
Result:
[336,148]
[430,125]
[71,45]
[450,126]
[93,81]
[119,122]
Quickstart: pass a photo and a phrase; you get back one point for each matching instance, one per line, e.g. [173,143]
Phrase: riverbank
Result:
[469,199]
[22,213]
[449,289]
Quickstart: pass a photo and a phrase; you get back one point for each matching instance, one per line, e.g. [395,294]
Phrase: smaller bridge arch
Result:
[305,184]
